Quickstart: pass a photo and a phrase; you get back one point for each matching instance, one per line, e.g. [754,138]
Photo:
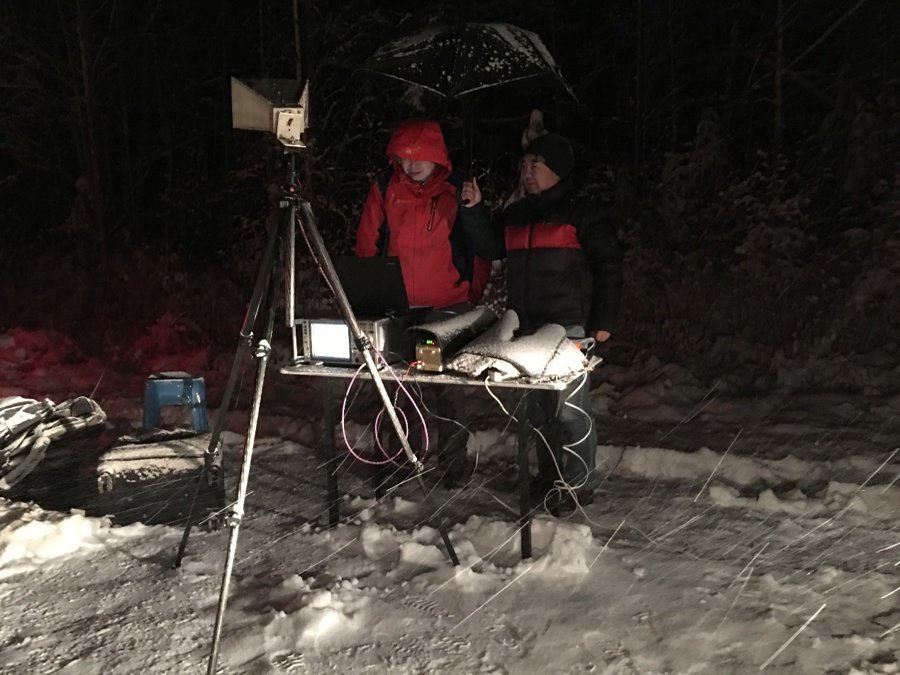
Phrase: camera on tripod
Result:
[278,106]
[281,107]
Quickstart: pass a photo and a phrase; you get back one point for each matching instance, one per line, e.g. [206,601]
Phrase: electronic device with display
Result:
[330,342]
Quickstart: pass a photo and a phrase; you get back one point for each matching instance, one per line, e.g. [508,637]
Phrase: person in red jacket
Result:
[414,211]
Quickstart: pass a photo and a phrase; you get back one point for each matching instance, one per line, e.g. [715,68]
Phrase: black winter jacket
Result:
[564,264]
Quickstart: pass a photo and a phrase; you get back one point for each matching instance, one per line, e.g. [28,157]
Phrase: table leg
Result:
[524,433]
[332,497]
[378,474]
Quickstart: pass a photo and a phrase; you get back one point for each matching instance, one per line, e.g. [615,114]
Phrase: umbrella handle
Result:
[468,139]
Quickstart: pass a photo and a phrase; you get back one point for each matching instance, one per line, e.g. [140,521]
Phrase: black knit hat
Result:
[555,151]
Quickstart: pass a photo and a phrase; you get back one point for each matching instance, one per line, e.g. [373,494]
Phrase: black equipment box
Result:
[152,479]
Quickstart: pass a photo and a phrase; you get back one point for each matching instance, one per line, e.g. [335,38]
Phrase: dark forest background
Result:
[749,153]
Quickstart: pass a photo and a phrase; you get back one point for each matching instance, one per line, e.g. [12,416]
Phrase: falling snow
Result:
[728,536]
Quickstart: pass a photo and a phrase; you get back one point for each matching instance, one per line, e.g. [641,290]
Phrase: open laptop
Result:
[374,286]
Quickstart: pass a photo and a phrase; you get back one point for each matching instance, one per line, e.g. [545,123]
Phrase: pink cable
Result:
[401,386]
[392,458]
[353,452]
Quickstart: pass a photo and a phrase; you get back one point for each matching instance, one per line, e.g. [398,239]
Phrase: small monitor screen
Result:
[330,341]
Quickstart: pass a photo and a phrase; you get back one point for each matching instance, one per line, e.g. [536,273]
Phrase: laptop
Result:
[374,286]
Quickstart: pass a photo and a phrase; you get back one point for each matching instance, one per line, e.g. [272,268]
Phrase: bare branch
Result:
[824,36]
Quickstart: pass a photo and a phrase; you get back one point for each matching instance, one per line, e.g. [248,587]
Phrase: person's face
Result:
[537,176]
[419,170]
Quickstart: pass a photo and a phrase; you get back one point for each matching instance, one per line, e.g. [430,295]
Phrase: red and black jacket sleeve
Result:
[600,243]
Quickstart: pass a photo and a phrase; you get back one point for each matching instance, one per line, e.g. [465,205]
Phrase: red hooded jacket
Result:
[414,222]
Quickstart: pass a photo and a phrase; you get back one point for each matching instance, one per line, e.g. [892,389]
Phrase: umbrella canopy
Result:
[459,59]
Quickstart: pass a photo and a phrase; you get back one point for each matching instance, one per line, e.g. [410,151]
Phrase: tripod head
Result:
[290,190]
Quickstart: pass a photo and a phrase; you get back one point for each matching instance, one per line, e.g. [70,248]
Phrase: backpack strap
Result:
[383,179]
[18,415]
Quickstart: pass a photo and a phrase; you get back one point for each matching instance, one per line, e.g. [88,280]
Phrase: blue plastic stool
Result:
[175,388]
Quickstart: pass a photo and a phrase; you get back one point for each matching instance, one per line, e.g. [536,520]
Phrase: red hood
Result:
[420,140]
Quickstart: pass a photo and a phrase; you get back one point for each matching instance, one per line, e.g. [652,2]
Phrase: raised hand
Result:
[471,193]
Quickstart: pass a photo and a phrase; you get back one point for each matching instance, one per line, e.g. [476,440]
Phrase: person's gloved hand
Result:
[471,193]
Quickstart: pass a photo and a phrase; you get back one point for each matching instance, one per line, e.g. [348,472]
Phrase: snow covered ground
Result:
[728,536]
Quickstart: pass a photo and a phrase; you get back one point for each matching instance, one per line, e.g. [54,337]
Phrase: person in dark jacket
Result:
[414,211]
[563,266]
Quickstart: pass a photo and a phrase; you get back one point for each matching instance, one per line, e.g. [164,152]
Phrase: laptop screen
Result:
[374,286]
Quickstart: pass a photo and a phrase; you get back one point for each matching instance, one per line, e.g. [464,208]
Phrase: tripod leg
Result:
[523,433]
[234,520]
[213,457]
[333,498]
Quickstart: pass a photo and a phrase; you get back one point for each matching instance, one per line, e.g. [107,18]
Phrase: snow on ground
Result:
[728,536]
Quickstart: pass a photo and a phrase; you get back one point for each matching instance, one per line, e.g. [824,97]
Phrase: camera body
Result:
[278,106]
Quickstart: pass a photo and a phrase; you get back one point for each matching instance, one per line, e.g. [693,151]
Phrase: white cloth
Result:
[544,355]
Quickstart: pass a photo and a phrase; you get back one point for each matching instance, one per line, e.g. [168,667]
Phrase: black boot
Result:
[456,471]
[539,487]
[569,501]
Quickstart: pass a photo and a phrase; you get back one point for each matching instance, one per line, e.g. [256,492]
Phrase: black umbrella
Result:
[464,58]
[459,60]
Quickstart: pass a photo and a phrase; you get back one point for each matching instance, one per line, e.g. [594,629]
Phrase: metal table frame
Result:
[332,374]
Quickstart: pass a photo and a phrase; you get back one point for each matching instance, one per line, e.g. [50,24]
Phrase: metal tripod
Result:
[294,212]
